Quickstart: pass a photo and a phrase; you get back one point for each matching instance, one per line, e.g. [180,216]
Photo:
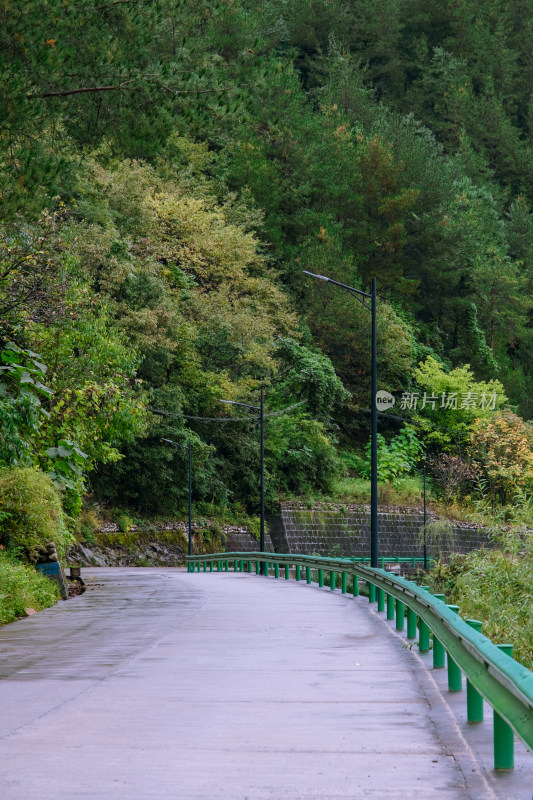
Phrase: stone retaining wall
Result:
[163,546]
[345,531]
[243,542]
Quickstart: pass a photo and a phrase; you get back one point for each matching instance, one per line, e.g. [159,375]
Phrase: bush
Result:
[439,537]
[23,587]
[495,586]
[31,514]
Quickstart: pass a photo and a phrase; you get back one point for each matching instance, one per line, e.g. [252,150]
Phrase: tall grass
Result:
[496,587]
[23,587]
[407,491]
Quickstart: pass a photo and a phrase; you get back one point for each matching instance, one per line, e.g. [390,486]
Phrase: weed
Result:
[439,537]
[495,587]
[23,587]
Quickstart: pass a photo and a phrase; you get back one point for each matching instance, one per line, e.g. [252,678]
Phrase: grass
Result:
[403,492]
[23,587]
[494,586]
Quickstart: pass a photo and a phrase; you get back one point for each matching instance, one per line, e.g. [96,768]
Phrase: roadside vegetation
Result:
[22,587]
[494,586]
[159,204]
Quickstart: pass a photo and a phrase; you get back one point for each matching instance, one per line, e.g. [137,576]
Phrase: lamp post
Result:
[262,458]
[363,298]
[189,446]
[425,519]
[423,473]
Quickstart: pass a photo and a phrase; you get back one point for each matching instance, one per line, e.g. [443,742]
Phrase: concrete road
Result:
[160,684]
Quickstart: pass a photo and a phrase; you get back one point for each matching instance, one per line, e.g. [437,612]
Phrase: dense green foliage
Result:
[21,587]
[31,514]
[495,586]
[168,170]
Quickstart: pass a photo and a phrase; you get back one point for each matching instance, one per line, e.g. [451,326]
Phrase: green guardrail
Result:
[491,672]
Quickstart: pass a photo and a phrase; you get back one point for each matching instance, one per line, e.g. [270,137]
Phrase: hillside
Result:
[169,169]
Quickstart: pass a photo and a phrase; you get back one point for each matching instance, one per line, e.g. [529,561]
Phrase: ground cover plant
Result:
[494,586]
[21,587]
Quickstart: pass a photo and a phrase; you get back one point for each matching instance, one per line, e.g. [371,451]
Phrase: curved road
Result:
[160,684]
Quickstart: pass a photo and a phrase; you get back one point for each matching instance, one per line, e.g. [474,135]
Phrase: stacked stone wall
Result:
[345,531]
[242,541]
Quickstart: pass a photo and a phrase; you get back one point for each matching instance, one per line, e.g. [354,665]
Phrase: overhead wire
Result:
[254,418]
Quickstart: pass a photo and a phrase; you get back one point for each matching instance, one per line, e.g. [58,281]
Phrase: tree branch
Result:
[120,86]
[65,92]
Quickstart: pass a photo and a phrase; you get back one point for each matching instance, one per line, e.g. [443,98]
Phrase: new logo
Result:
[384,400]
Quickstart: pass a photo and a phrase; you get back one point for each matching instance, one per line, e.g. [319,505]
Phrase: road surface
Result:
[157,683]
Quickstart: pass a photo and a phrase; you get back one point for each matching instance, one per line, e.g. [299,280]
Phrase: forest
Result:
[168,170]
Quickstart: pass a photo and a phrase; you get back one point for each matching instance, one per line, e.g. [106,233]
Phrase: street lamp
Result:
[363,298]
[262,449]
[189,446]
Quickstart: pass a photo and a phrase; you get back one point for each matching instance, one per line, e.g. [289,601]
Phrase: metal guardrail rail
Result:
[490,670]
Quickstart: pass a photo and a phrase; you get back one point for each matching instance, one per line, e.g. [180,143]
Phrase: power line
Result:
[163,413]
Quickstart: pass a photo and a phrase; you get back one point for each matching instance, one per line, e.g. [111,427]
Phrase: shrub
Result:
[22,587]
[396,458]
[495,586]
[32,514]
[439,537]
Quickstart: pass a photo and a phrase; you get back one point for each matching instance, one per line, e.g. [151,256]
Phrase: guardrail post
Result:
[308,574]
[321,578]
[390,606]
[298,575]
[423,632]
[503,733]
[267,569]
[343,582]
[210,566]
[355,587]
[411,624]
[439,653]
[249,567]
[332,580]
[400,615]
[455,676]
[371,593]
[276,570]
[474,701]
[257,568]
[423,637]
[381,599]
[287,572]
[241,565]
